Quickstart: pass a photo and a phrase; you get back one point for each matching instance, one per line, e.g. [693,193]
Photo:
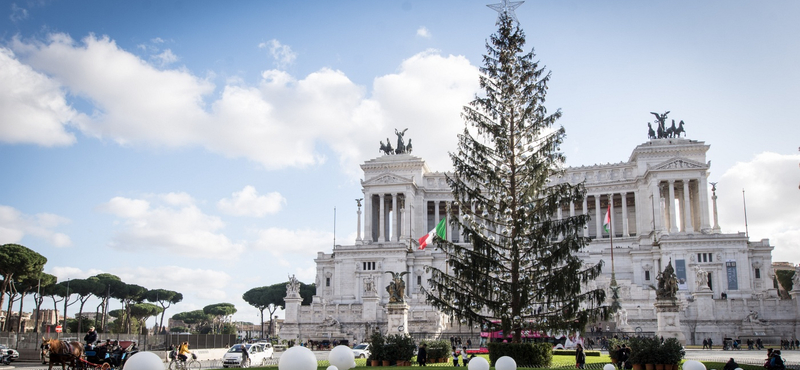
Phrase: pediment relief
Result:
[387,179]
[679,164]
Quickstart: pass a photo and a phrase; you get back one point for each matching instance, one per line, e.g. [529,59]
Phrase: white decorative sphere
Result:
[331,368]
[505,363]
[342,357]
[478,363]
[144,361]
[738,368]
[298,358]
[693,365]
[609,367]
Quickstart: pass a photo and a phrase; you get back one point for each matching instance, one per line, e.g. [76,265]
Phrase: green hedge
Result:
[537,355]
[571,352]
[437,349]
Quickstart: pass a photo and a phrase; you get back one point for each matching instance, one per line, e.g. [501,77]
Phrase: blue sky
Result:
[202,146]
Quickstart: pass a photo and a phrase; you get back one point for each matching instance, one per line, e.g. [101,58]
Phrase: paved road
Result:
[744,356]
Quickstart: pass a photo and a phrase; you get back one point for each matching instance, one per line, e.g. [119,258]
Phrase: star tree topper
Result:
[506,7]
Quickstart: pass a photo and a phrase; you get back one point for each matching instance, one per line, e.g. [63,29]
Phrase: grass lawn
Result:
[559,362]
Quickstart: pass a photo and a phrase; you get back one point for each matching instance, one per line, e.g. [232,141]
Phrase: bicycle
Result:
[178,364]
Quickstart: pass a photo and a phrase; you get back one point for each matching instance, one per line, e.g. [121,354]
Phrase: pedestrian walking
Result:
[580,357]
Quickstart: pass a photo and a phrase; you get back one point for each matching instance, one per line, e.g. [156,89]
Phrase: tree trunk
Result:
[262,324]
[39,300]
[19,322]
[161,323]
[80,315]
[3,287]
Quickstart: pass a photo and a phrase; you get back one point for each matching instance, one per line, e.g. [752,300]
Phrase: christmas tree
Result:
[519,268]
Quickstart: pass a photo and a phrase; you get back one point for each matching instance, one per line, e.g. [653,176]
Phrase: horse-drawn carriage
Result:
[75,356]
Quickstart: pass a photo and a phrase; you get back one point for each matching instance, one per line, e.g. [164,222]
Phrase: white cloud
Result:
[305,243]
[281,54]
[423,32]
[67,272]
[17,13]
[192,283]
[277,123]
[177,227]
[32,106]
[770,181]
[14,225]
[165,58]
[249,203]
[428,96]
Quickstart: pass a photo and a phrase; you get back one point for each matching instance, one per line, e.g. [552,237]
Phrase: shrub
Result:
[672,351]
[612,347]
[438,349]
[402,347]
[376,345]
[536,355]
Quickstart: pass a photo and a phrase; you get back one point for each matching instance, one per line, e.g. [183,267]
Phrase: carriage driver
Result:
[91,337]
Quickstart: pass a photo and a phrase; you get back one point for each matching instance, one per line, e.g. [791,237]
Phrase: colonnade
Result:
[680,205]
[385,213]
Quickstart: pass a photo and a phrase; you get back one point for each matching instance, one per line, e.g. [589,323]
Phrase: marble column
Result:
[625,232]
[656,202]
[688,222]
[673,224]
[382,218]
[585,212]
[405,228]
[358,228]
[435,214]
[715,229]
[598,225]
[402,227]
[368,217]
[571,209]
[702,188]
[395,220]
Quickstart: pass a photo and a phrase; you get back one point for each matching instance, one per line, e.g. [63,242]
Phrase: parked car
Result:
[14,353]
[361,350]
[259,353]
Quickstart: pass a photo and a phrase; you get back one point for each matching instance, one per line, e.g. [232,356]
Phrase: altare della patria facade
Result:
[663,214]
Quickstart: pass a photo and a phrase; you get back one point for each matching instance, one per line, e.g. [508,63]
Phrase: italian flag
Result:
[440,230]
[607,220]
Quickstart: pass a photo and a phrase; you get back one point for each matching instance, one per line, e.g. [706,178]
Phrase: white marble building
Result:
[661,211]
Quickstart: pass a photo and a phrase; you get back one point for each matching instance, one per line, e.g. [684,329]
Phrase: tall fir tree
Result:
[519,268]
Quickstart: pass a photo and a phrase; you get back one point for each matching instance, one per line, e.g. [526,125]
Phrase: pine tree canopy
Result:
[519,267]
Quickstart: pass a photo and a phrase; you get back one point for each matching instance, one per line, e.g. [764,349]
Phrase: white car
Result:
[14,353]
[259,353]
[361,350]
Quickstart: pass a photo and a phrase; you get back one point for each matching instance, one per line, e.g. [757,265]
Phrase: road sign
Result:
[58,328]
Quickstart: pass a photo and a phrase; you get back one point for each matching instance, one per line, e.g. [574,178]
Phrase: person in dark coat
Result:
[730,365]
[580,357]
[422,355]
[90,337]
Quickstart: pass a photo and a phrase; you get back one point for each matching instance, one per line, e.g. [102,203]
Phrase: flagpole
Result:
[611,238]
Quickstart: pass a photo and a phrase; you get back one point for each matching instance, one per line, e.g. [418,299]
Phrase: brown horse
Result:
[62,352]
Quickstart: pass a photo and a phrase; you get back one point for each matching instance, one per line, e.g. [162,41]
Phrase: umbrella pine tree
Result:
[519,268]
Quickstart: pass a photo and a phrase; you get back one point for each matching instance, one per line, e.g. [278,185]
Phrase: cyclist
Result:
[183,351]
